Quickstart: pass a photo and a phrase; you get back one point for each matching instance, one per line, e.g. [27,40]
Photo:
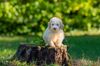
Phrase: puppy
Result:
[54,35]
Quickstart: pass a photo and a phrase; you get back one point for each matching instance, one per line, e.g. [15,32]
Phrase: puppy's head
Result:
[55,24]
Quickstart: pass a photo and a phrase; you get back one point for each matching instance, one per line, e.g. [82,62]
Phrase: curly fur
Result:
[54,35]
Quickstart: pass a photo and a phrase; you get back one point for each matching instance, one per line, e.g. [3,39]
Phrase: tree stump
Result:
[42,55]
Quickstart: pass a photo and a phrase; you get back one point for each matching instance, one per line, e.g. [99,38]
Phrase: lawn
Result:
[80,47]
[84,47]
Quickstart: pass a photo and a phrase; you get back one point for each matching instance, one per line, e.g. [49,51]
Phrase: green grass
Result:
[84,47]
[81,47]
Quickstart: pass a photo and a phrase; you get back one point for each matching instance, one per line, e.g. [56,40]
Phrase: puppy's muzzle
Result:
[54,28]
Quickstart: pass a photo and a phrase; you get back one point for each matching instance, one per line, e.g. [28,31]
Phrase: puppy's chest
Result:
[54,37]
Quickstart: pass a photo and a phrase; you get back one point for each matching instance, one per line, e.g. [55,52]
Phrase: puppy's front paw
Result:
[59,45]
[51,45]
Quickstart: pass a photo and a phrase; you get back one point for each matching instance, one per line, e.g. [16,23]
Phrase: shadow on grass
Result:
[87,47]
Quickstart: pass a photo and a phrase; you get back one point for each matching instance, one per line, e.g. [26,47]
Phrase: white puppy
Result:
[54,35]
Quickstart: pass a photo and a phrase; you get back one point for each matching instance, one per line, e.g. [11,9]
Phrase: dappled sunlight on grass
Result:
[81,33]
[6,54]
[10,39]
[85,62]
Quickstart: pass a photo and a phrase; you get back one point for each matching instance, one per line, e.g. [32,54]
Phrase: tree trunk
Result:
[42,55]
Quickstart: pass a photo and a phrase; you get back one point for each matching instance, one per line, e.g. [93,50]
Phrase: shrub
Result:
[29,17]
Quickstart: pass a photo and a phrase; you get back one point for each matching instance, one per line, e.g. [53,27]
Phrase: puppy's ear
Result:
[61,25]
[49,24]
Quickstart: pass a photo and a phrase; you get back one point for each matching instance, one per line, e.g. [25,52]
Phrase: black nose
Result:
[54,28]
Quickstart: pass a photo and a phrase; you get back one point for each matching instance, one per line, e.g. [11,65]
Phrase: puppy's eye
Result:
[52,24]
[57,24]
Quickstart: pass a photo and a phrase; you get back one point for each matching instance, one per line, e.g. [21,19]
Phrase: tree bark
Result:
[42,55]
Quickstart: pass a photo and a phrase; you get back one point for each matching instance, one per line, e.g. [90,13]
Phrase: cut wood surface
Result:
[42,55]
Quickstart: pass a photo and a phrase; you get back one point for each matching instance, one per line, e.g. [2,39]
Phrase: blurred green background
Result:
[30,17]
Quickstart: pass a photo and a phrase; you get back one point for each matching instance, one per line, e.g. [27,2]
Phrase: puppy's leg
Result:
[59,43]
[51,44]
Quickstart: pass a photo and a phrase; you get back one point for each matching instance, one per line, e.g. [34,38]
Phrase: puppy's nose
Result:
[54,28]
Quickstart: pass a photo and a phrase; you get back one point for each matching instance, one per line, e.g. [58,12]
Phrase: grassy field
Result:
[82,48]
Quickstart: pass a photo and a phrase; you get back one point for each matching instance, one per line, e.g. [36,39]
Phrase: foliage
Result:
[29,17]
